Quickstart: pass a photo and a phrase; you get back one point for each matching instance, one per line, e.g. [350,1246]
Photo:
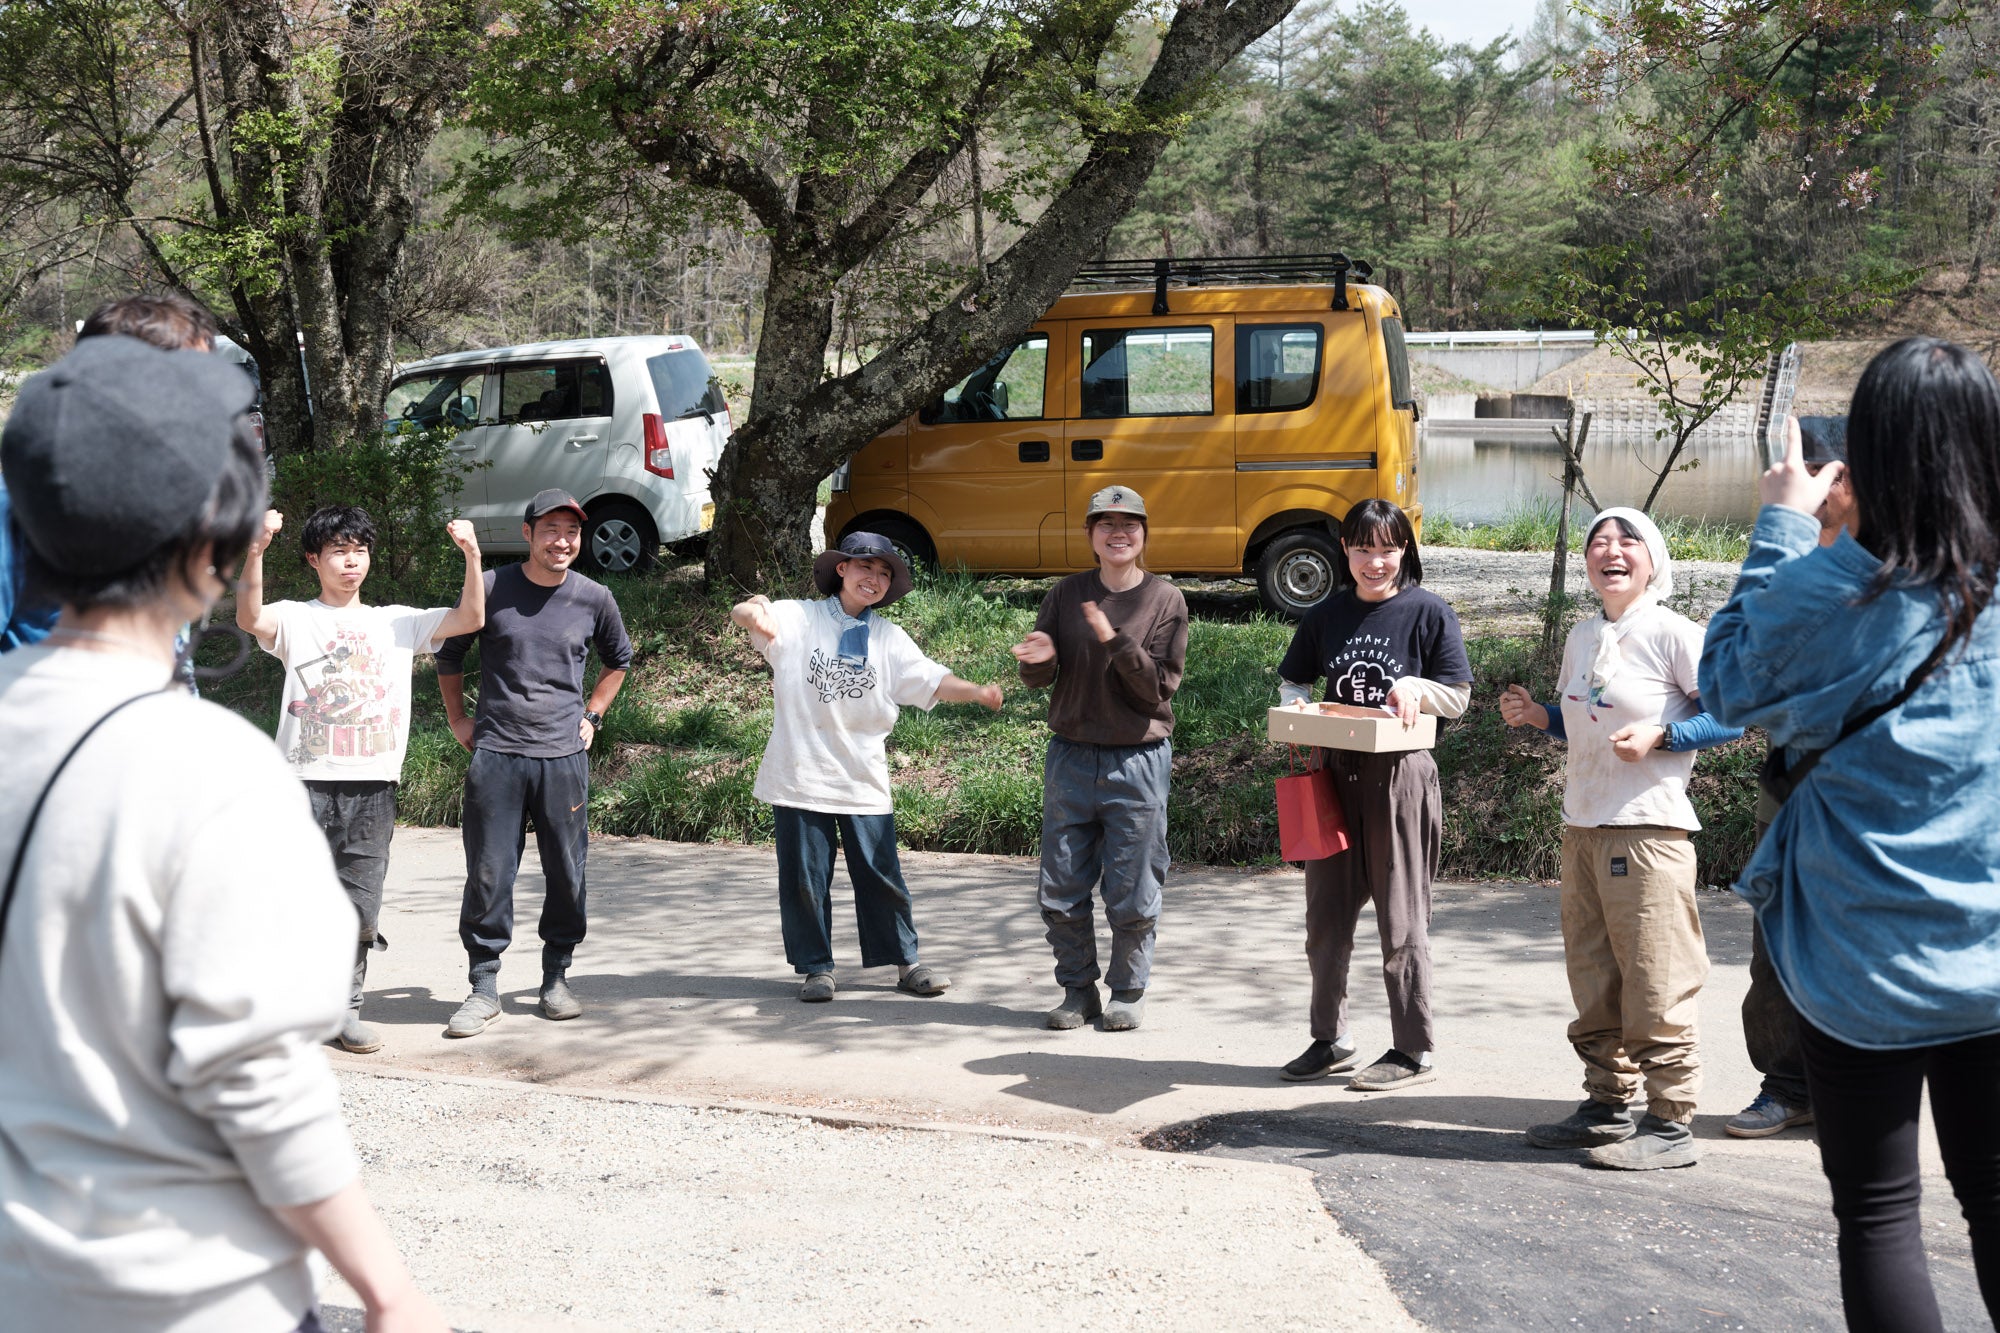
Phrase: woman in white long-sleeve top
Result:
[174,946]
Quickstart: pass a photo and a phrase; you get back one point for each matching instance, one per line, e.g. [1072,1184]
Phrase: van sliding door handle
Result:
[582,439]
[1084,451]
[1034,451]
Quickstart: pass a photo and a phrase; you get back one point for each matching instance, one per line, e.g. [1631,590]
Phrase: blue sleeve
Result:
[1556,727]
[1700,732]
[1798,645]
[20,623]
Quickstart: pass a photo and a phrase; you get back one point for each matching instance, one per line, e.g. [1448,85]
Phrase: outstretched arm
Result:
[955,690]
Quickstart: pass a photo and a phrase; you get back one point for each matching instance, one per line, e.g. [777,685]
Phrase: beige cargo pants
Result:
[1636,958]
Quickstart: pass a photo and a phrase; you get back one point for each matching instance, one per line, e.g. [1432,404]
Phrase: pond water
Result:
[1479,479]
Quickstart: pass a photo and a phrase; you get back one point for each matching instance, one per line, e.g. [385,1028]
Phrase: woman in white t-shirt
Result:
[839,676]
[1630,712]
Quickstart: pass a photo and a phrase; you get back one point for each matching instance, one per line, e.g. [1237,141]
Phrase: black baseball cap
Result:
[115,449]
[550,500]
[862,546]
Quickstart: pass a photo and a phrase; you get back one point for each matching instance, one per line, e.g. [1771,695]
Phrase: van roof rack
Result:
[1200,272]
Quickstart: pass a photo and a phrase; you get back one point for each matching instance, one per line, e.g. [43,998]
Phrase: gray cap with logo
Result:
[1116,500]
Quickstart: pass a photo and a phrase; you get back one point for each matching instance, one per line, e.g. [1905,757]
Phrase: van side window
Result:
[1148,372]
[1277,366]
[685,385]
[555,391]
[447,398]
[1400,393]
[1010,387]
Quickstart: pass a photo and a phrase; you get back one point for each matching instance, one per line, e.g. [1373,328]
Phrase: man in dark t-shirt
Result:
[530,744]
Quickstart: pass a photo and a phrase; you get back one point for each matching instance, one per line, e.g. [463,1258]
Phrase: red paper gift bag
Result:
[1310,825]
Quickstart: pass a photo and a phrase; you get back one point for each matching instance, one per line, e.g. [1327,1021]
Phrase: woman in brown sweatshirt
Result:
[1113,641]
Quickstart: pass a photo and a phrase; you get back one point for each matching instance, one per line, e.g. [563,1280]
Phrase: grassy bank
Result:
[679,750]
[1533,528]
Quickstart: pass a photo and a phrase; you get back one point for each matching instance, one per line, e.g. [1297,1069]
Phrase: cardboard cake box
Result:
[1340,727]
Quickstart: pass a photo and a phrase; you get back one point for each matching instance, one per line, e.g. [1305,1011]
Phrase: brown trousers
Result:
[1395,819]
[1633,944]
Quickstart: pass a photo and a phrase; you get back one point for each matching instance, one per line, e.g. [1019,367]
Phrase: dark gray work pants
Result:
[1770,1024]
[359,821]
[502,792]
[1104,817]
[1395,824]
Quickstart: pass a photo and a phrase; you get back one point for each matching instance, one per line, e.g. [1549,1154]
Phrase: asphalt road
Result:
[1477,1229]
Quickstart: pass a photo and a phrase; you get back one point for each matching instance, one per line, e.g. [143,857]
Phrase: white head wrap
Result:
[1607,657]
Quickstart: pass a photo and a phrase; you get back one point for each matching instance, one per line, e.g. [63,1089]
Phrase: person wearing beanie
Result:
[174,945]
[839,676]
[1113,643]
[1630,714]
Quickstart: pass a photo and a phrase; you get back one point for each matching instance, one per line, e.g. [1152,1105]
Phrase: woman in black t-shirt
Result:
[1380,642]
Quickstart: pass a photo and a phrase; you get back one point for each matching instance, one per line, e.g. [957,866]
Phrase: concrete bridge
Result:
[1506,359]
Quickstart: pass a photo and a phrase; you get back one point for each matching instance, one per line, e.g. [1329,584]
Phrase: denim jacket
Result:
[1878,885]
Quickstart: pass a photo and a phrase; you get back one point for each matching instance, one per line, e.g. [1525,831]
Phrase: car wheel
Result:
[909,539]
[1298,570]
[619,539]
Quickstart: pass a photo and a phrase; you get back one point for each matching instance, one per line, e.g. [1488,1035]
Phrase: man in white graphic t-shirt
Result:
[345,721]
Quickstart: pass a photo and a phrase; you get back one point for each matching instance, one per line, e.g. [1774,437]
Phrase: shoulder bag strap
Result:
[35,812]
[1796,773]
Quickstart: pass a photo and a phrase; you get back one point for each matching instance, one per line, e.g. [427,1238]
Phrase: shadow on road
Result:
[1479,1229]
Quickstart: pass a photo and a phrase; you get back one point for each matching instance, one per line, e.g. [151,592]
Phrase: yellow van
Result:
[1251,402]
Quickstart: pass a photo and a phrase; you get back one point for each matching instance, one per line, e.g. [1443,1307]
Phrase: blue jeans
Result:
[805,881]
[1104,815]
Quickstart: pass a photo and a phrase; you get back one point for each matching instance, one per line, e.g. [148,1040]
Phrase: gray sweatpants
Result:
[1104,812]
[1395,820]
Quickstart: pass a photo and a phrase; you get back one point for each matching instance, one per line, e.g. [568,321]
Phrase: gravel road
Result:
[522,1208]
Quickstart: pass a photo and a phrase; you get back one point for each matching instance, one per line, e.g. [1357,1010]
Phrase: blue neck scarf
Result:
[853,632]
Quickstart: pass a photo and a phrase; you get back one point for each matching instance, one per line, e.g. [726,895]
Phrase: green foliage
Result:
[408,482]
[1532,527]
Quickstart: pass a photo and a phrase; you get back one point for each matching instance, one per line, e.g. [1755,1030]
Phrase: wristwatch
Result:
[595,720]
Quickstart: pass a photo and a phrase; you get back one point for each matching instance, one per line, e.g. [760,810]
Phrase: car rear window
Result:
[685,384]
[1277,366]
[1400,394]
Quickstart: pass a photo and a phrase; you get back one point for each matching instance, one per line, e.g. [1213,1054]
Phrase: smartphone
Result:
[1824,438]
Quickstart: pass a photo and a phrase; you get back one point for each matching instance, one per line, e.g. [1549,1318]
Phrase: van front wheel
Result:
[1298,571]
[619,539]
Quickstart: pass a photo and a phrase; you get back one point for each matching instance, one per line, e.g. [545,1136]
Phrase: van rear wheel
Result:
[619,539]
[1298,570]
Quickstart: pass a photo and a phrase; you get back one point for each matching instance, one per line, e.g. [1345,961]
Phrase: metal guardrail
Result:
[1501,338]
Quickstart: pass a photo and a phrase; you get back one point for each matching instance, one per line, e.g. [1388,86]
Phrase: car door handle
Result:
[1083,451]
[1034,451]
[577,441]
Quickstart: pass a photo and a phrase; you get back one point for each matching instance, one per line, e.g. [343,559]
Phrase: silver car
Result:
[631,427]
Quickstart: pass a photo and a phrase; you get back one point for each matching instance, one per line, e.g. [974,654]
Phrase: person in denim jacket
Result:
[1877,888]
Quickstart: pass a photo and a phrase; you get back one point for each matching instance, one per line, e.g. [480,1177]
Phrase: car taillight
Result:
[659,458]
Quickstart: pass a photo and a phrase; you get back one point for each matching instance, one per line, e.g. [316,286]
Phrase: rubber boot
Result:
[1080,1005]
[1126,1010]
[355,1036]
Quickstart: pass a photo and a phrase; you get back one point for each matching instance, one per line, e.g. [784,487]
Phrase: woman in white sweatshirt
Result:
[174,947]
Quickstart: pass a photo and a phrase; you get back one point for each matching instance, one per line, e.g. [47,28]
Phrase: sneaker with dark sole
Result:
[1764,1117]
[357,1037]
[1656,1145]
[818,988]
[1080,1005]
[1318,1060]
[1393,1070]
[558,1001]
[1591,1125]
[1126,1011]
[474,1016]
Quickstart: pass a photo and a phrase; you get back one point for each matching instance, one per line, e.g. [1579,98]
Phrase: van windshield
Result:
[685,384]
